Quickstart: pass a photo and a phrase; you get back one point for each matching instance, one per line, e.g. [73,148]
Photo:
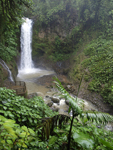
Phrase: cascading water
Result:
[7,68]
[27,69]
[26,63]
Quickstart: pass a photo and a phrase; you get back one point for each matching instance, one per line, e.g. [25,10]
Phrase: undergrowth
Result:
[99,62]
[29,124]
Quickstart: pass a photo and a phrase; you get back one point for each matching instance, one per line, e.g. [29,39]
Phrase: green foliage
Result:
[51,132]
[88,136]
[75,104]
[94,11]
[82,138]
[49,124]
[59,57]
[40,46]
[100,66]
[8,46]
[49,11]
[61,50]
[23,111]
[12,9]
[12,136]
[86,78]
[62,46]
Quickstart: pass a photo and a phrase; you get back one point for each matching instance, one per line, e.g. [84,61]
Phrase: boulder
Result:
[32,95]
[54,108]
[67,102]
[70,88]
[47,96]
[55,99]
[50,104]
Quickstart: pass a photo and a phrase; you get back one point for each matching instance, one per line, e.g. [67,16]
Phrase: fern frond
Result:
[75,103]
[98,117]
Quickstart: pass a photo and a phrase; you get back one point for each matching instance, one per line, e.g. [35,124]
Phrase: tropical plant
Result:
[87,116]
[24,111]
[12,136]
[53,131]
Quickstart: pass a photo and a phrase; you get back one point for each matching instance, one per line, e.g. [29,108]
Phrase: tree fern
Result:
[76,106]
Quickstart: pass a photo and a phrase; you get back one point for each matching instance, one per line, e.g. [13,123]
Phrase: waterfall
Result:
[7,68]
[26,63]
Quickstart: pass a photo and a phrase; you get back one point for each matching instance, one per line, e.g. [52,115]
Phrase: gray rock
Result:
[50,104]
[55,100]
[47,96]
[67,102]
[32,95]
[54,109]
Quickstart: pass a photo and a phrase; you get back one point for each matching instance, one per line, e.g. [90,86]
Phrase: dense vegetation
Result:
[30,124]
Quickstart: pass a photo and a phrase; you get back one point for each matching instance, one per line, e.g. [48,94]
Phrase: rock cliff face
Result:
[45,34]
[62,26]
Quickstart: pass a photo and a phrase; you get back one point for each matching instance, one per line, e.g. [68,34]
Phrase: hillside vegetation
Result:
[84,37]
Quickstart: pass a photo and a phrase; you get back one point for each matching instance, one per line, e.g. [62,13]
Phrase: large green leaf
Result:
[52,140]
[107,144]
[84,140]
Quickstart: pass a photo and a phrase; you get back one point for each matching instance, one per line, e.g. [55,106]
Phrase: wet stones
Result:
[32,95]
[50,104]
[54,108]
[56,103]
[67,102]
[55,99]
[70,88]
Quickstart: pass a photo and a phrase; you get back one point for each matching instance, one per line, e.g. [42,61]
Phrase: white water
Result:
[7,68]
[26,63]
